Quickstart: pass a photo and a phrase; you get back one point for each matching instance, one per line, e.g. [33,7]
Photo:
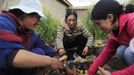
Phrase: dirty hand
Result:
[70,71]
[103,71]
[62,51]
[55,64]
[85,51]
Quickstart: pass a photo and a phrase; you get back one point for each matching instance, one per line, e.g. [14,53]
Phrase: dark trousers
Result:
[79,42]
[18,71]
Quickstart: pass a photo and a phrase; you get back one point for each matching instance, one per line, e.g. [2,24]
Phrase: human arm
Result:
[108,51]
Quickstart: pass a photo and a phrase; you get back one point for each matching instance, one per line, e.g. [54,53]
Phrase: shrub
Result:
[48,28]
[96,32]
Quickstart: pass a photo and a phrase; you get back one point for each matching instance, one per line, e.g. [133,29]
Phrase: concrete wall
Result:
[81,14]
[3,4]
[56,9]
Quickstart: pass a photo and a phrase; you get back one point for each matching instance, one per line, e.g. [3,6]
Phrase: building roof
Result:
[65,2]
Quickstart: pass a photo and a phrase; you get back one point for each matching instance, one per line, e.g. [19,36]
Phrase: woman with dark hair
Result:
[72,37]
[118,20]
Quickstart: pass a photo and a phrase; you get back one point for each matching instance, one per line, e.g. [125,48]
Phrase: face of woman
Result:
[107,24]
[71,21]
[30,22]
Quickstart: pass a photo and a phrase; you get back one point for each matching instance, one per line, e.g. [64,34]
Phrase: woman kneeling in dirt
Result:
[118,20]
[21,49]
[73,38]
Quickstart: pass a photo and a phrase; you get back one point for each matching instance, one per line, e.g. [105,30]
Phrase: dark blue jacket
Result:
[13,37]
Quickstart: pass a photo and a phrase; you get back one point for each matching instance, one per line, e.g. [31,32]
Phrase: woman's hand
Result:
[103,71]
[55,64]
[62,51]
[85,51]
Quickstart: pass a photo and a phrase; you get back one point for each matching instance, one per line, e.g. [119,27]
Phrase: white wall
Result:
[57,9]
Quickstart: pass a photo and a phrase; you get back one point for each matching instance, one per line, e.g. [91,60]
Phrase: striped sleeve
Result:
[88,35]
[59,38]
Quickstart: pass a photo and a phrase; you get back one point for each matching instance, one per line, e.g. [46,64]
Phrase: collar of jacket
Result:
[65,26]
[123,21]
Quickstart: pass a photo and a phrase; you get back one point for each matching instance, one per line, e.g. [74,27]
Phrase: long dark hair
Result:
[70,12]
[105,7]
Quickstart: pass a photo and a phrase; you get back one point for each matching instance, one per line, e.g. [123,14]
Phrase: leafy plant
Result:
[48,28]
[96,32]
[132,2]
